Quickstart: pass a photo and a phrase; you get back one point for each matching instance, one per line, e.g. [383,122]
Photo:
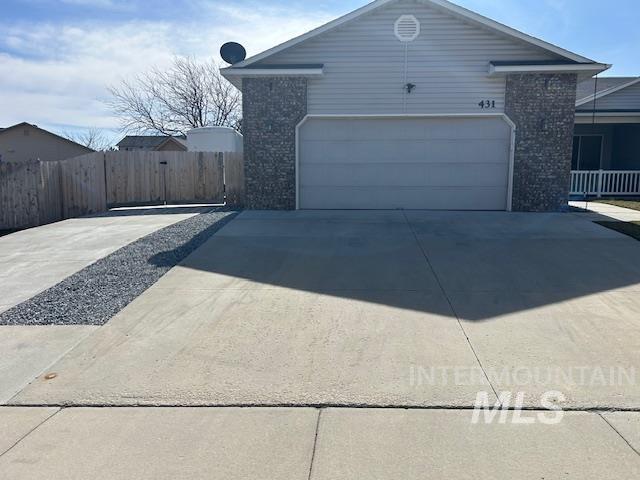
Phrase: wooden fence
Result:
[30,194]
[43,192]
[83,185]
[138,178]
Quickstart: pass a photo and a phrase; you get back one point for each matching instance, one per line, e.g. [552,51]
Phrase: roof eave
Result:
[171,140]
[235,74]
[580,68]
[606,92]
[47,132]
[512,32]
[600,117]
[312,33]
[443,4]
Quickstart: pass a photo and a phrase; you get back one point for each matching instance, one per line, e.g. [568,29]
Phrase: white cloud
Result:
[117,5]
[262,28]
[58,74]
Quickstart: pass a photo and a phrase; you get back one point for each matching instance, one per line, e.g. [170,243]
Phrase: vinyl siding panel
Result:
[625,99]
[365,64]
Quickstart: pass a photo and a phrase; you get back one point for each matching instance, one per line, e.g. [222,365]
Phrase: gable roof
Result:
[605,86]
[57,137]
[147,141]
[180,141]
[587,87]
[442,4]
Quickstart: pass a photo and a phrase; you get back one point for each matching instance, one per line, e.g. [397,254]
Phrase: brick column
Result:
[543,109]
[272,107]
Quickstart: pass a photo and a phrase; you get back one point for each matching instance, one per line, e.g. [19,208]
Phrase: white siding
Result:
[625,99]
[364,64]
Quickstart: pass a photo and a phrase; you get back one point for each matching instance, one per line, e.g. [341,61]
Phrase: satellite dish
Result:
[232,52]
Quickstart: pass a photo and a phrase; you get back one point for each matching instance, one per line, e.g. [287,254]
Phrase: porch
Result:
[606,160]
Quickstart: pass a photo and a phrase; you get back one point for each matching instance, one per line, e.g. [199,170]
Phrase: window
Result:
[587,152]
[576,153]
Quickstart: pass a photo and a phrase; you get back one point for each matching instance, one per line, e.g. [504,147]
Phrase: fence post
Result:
[106,187]
[600,183]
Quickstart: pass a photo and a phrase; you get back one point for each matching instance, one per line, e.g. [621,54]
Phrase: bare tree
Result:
[172,101]
[92,138]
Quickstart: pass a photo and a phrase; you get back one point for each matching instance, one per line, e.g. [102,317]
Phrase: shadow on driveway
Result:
[486,264]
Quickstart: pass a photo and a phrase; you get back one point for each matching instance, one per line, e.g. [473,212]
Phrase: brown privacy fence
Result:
[30,194]
[36,193]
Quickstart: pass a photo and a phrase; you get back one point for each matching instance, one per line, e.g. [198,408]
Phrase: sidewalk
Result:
[308,443]
[599,210]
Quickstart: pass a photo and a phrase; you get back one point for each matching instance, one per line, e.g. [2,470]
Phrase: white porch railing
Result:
[605,182]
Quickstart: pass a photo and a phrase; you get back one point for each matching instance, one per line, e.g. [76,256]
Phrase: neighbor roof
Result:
[147,141]
[588,91]
[443,4]
[25,124]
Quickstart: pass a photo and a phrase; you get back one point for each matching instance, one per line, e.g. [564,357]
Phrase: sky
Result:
[58,57]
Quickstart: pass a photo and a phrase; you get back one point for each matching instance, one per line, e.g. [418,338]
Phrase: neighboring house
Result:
[410,104]
[155,143]
[25,142]
[607,132]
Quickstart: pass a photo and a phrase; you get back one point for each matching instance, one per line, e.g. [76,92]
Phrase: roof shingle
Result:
[145,141]
[588,87]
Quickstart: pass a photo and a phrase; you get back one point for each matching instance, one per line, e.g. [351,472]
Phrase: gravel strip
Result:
[96,293]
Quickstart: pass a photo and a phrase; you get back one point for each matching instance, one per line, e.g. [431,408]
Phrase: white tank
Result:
[214,139]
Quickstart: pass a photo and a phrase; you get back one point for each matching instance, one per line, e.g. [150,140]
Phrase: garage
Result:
[435,163]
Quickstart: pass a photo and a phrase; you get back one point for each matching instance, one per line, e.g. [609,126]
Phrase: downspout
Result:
[595,95]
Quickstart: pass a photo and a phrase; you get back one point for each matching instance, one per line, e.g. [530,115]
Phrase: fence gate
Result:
[138,178]
[36,193]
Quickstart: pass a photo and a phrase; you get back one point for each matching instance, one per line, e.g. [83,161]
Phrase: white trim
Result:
[315,32]
[608,114]
[584,118]
[578,67]
[512,161]
[606,92]
[512,32]
[272,72]
[463,12]
[503,116]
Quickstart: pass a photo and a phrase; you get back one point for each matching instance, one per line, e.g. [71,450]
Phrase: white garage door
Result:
[413,163]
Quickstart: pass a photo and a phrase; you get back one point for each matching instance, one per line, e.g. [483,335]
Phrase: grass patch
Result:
[633,204]
[631,229]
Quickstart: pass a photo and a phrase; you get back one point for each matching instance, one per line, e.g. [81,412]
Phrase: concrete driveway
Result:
[415,309]
[291,329]
[35,259]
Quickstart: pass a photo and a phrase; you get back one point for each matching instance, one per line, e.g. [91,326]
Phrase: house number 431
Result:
[487,104]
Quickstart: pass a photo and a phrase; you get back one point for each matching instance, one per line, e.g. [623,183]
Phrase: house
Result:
[607,132]
[410,104]
[155,143]
[26,142]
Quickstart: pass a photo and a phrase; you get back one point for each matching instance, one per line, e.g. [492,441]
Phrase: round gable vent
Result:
[407,28]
